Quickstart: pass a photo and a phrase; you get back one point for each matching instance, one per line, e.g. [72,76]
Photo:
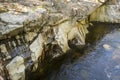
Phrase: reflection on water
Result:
[99,60]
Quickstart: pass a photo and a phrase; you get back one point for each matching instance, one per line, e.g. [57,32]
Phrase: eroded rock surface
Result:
[32,31]
[107,13]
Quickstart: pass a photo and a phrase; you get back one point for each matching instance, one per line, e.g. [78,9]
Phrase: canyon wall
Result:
[110,12]
[34,31]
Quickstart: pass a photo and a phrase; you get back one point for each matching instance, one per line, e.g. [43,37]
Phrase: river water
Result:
[99,60]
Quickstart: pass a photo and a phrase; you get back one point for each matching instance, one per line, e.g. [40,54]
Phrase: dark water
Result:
[100,60]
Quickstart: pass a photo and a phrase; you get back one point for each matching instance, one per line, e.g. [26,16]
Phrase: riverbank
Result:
[59,66]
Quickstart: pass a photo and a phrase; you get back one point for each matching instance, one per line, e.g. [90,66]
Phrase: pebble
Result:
[107,47]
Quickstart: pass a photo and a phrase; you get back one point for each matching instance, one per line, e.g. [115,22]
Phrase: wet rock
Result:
[85,74]
[116,55]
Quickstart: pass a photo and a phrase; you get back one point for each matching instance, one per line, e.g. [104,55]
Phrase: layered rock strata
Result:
[35,30]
